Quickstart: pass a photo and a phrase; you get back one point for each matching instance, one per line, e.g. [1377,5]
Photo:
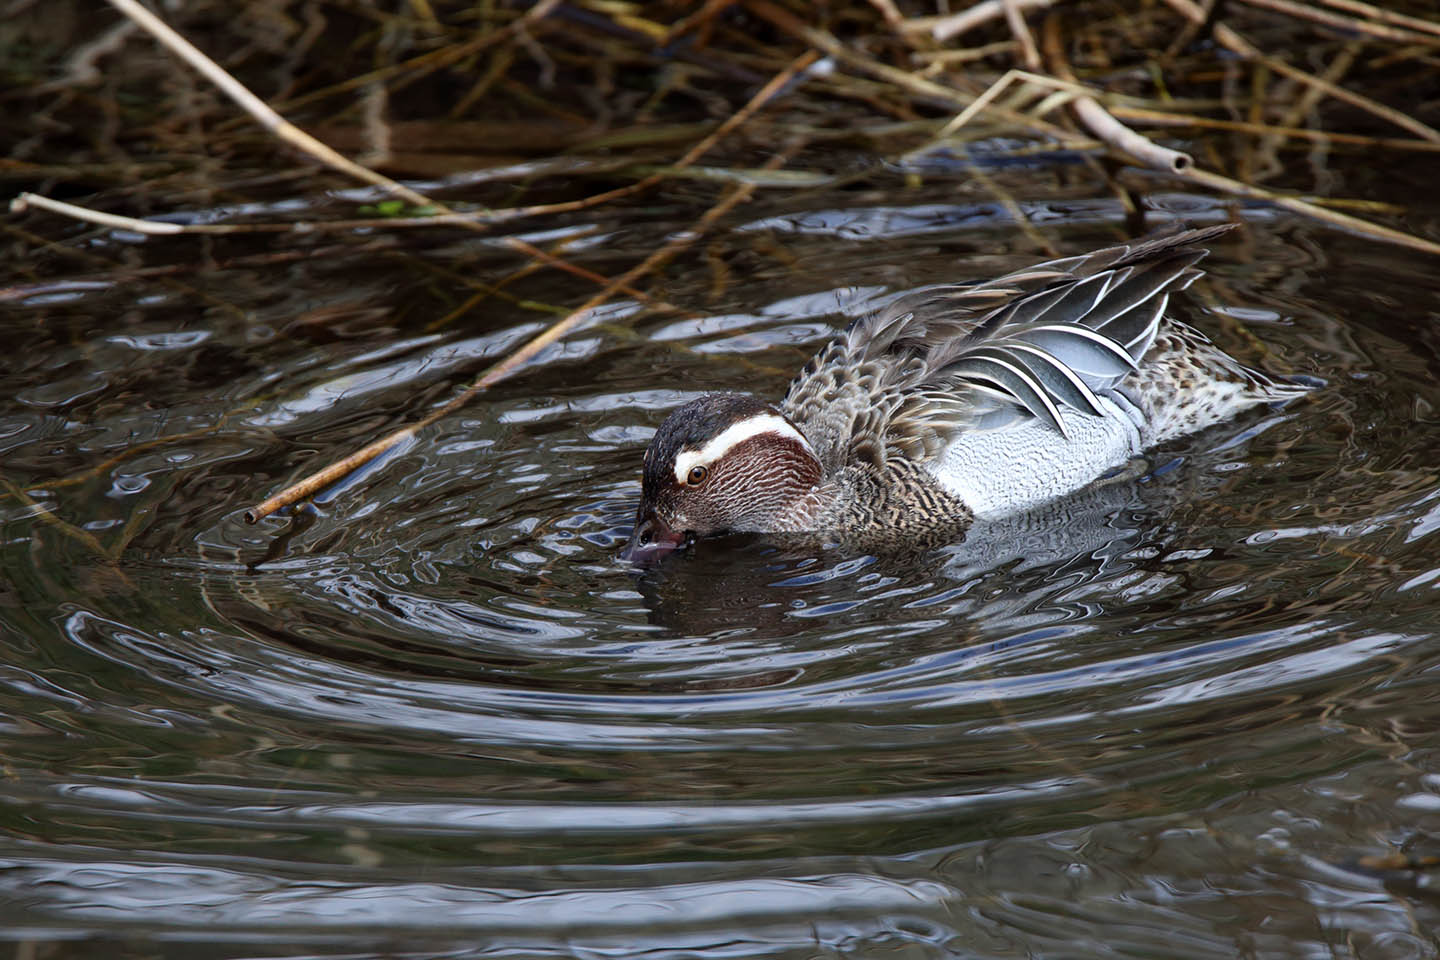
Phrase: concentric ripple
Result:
[432,713]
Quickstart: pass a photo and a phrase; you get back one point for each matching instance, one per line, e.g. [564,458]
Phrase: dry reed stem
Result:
[1101,122]
[948,27]
[1223,184]
[448,218]
[26,200]
[1162,118]
[889,13]
[163,228]
[1020,30]
[271,121]
[1268,148]
[1381,31]
[1054,49]
[997,88]
[946,58]
[325,477]
[1384,16]
[1233,41]
[81,67]
[283,129]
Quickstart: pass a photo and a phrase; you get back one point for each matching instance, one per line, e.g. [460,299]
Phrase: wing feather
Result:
[952,357]
[995,366]
[1058,380]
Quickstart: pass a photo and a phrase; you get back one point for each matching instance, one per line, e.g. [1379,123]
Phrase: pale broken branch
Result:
[1101,122]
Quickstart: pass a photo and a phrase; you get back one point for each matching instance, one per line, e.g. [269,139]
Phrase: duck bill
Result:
[651,542]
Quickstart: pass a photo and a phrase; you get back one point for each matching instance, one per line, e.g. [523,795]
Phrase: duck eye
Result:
[697,475]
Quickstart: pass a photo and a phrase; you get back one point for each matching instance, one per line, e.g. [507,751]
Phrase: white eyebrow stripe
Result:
[733,435]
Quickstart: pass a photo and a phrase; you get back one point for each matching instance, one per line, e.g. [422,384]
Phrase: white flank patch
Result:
[1000,472]
[733,435]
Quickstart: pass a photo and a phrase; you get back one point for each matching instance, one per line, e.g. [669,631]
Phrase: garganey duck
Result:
[955,402]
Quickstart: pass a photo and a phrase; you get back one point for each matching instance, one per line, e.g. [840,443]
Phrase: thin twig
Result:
[329,475]
[1163,118]
[164,228]
[1303,106]
[740,116]
[950,58]
[1054,49]
[997,88]
[271,121]
[947,27]
[1115,133]
[80,67]
[45,514]
[1020,30]
[1223,184]
[445,216]
[893,18]
[1384,16]
[1190,31]
[1383,31]
[158,228]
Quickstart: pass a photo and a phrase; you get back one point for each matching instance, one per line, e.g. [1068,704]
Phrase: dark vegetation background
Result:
[607,91]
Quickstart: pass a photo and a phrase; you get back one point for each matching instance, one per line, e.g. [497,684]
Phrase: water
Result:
[434,715]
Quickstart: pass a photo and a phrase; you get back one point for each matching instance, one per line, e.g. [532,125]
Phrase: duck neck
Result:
[818,508]
[900,501]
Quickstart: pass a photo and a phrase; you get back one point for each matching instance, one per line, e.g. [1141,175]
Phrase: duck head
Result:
[722,463]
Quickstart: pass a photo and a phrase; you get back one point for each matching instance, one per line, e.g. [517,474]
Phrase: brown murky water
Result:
[435,716]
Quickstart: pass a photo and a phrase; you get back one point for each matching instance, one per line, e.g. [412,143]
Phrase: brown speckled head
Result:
[723,462]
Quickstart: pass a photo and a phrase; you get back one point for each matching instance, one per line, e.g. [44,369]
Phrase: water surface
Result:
[434,714]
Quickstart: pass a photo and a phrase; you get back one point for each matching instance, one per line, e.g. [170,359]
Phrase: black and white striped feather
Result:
[1055,336]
